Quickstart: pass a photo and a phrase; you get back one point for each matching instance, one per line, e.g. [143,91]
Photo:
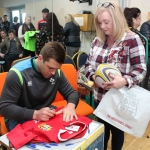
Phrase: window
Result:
[23,17]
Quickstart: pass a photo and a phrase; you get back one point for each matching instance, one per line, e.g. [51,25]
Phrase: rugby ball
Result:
[102,74]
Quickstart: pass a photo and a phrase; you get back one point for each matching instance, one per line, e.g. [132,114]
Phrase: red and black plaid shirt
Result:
[128,56]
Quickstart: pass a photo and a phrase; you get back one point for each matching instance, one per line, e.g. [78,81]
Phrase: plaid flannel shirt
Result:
[128,56]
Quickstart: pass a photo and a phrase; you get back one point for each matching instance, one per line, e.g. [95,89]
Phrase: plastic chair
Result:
[69,60]
[3,128]
[81,59]
[2,79]
[75,58]
[83,108]
[18,60]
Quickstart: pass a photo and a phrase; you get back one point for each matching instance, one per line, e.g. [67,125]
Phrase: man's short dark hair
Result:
[16,19]
[53,50]
[3,30]
[45,10]
[12,31]
[5,16]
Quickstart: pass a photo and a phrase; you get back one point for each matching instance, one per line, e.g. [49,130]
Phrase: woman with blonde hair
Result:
[72,35]
[27,26]
[115,44]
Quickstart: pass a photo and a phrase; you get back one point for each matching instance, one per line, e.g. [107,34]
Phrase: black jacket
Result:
[72,34]
[6,25]
[21,96]
[145,29]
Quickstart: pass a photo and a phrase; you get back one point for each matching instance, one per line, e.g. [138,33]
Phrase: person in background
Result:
[27,26]
[145,29]
[6,23]
[72,35]
[49,33]
[14,49]
[45,11]
[32,100]
[3,35]
[133,17]
[1,23]
[16,25]
[115,44]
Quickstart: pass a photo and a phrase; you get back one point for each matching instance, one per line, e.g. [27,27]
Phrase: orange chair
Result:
[3,128]
[2,79]
[83,108]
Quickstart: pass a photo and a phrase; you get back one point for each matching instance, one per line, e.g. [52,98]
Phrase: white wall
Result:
[4,11]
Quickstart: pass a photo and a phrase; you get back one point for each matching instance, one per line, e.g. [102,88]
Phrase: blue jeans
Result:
[117,135]
[10,124]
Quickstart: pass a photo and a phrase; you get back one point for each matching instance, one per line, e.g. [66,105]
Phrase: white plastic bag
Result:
[126,109]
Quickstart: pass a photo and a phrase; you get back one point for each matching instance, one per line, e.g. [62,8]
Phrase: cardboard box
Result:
[148,15]
[86,22]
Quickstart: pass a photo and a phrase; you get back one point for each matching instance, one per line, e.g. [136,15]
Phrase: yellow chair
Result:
[74,57]
[69,60]
[81,59]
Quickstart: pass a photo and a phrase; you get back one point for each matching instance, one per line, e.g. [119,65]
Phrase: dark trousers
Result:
[11,124]
[117,135]
[2,59]
[9,59]
[144,83]
[27,53]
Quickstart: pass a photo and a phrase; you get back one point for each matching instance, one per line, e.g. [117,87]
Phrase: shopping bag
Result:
[126,109]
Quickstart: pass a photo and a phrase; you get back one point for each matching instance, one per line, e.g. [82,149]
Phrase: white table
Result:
[90,141]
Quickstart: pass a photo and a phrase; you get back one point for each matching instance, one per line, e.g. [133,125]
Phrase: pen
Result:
[32,146]
[45,145]
[69,144]
[53,144]
[88,130]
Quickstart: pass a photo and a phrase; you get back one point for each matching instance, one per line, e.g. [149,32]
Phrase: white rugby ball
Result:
[102,74]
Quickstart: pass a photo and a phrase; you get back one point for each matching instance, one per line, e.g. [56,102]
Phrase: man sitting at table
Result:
[31,86]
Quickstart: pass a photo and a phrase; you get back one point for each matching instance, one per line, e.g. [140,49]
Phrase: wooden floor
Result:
[133,143]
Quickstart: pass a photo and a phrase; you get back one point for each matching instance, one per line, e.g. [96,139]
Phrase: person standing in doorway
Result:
[16,25]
